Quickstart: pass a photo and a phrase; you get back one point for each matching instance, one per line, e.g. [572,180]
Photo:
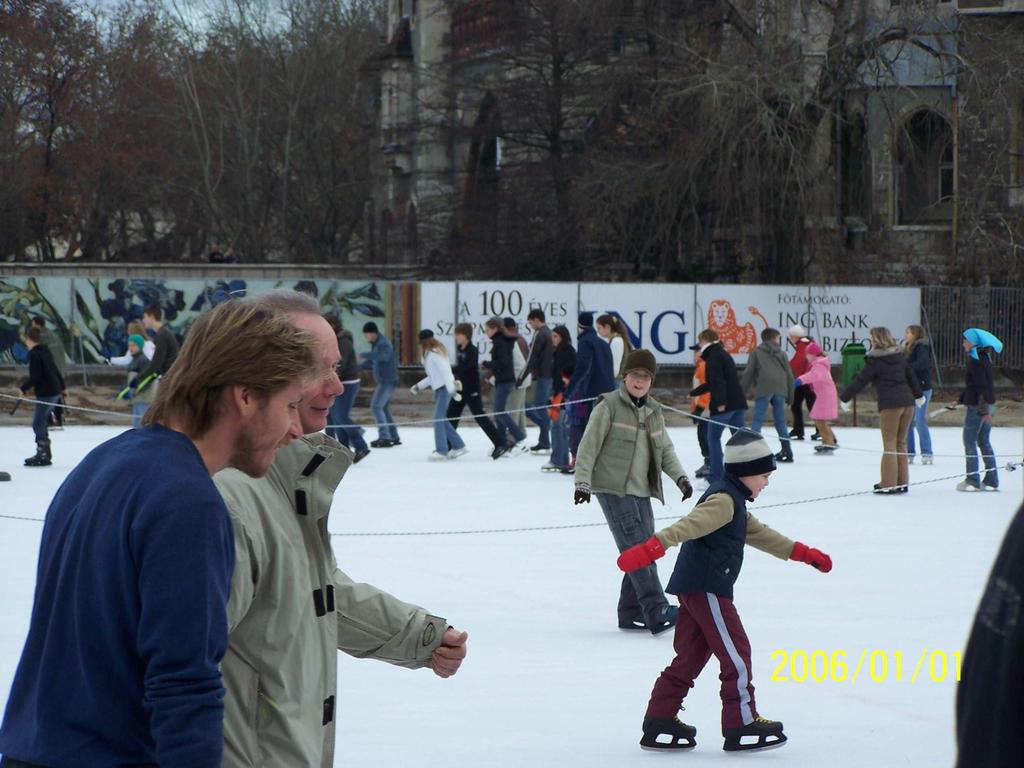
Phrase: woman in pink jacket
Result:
[826,399]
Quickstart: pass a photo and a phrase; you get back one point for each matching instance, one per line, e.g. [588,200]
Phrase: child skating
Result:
[713,536]
[824,410]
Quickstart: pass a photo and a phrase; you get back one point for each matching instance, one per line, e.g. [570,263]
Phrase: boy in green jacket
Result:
[621,457]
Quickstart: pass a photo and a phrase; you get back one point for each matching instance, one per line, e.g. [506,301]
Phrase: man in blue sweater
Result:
[129,625]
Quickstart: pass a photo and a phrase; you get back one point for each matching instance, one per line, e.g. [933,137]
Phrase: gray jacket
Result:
[542,354]
[291,610]
[768,372]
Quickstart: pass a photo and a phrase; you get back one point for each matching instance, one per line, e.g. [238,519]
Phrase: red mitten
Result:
[813,557]
[642,555]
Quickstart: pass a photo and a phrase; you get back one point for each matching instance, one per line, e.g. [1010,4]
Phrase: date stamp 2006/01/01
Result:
[875,665]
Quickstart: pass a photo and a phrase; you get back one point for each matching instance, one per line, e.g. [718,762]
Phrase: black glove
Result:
[582,495]
[685,487]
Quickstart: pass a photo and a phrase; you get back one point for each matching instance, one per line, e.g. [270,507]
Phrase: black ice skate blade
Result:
[762,744]
[680,744]
[668,748]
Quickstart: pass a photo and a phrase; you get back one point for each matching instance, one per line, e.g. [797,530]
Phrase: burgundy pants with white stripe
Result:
[707,624]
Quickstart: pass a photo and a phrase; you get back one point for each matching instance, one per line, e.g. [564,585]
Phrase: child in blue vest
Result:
[713,536]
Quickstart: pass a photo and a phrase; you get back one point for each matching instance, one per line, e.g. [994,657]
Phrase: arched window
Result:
[925,180]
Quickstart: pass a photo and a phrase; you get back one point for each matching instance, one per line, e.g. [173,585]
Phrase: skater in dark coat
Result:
[593,376]
[919,357]
[467,382]
[979,397]
[728,403]
[713,537]
[564,362]
[46,383]
[502,367]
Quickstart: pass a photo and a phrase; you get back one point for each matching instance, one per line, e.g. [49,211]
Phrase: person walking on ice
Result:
[713,536]
[622,455]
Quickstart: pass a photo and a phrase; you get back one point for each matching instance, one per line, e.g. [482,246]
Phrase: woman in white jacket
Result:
[439,378]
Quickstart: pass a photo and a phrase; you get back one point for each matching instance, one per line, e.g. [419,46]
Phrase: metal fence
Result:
[947,310]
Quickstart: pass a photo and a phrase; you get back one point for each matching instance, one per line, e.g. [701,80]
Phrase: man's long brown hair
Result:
[240,343]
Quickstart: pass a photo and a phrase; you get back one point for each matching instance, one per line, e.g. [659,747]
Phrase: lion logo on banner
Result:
[736,339]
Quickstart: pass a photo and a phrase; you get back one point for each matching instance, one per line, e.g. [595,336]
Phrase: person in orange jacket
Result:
[698,405]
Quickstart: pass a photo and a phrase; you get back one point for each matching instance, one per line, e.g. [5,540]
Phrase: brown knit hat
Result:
[641,359]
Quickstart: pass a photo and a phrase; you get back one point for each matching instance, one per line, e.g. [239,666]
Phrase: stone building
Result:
[924,157]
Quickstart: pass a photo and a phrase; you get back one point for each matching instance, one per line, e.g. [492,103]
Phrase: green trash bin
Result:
[853,361]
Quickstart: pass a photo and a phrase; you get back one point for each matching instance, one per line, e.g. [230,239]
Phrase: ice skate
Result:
[760,734]
[703,469]
[454,453]
[636,624]
[968,486]
[890,490]
[499,451]
[825,450]
[43,458]
[794,435]
[987,487]
[437,456]
[667,733]
[667,620]
[784,457]
[540,450]
[361,454]
[927,460]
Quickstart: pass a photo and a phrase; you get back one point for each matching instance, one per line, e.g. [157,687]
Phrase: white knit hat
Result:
[797,330]
[748,454]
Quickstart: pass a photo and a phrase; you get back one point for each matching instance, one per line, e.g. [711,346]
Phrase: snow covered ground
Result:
[550,680]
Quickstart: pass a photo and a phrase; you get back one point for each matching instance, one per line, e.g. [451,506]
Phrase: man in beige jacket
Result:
[291,608]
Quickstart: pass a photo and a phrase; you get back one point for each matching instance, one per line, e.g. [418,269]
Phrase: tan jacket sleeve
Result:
[760,536]
[593,438]
[375,625]
[708,516]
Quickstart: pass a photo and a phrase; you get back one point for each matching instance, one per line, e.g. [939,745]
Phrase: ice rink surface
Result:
[550,680]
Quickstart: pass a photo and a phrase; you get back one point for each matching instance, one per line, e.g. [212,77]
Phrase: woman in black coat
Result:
[898,392]
[919,357]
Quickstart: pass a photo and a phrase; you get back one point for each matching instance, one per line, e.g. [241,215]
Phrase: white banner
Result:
[659,316]
[833,316]
[442,305]
[666,318]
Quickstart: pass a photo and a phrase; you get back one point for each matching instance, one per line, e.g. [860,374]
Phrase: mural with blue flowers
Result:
[91,315]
